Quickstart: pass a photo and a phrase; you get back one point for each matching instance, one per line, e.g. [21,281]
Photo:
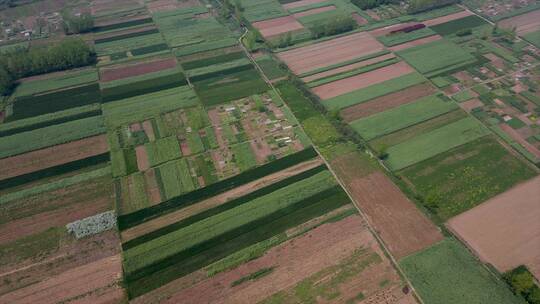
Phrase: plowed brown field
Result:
[505,230]
[277,26]
[136,69]
[525,23]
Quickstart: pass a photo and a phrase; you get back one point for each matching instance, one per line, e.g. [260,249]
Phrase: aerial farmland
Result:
[270,151]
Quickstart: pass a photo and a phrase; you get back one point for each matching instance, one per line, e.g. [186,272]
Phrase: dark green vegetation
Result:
[458,25]
[69,53]
[524,284]
[253,276]
[448,271]
[77,23]
[459,179]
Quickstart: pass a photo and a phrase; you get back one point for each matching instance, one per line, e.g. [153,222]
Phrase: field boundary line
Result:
[362,214]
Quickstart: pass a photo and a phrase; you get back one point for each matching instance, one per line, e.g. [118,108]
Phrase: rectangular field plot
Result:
[401,117]
[437,57]
[437,141]
[448,263]
[456,25]
[484,228]
[478,166]
[257,10]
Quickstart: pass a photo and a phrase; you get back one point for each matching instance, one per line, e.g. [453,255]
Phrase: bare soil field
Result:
[315,11]
[517,137]
[101,277]
[447,18]
[505,230]
[142,158]
[300,3]
[387,102]
[363,80]
[56,208]
[316,259]
[387,29]
[116,73]
[217,200]
[524,24]
[149,130]
[413,43]
[52,156]
[311,57]
[277,26]
[348,67]
[359,19]
[152,187]
[104,6]
[469,105]
[403,228]
[167,5]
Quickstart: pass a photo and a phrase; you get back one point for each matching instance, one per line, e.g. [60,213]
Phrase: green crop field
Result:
[128,44]
[64,80]
[244,157]
[401,117]
[399,38]
[454,26]
[436,57]
[258,10]
[374,91]
[162,150]
[459,179]
[270,68]
[216,68]
[448,271]
[437,141]
[533,37]
[51,136]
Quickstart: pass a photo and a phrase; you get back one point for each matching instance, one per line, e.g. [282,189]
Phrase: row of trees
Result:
[68,54]
[77,23]
[334,26]
[368,4]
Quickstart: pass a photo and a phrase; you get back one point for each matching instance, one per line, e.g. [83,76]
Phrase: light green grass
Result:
[435,142]
[243,156]
[163,150]
[66,80]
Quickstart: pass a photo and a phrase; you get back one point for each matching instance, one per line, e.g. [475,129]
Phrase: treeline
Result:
[418,6]
[368,4]
[68,54]
[338,25]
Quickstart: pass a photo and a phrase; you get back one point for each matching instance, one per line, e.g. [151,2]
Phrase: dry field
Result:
[401,225]
[505,230]
[277,26]
[348,67]
[325,259]
[167,5]
[121,72]
[52,156]
[311,57]
[387,102]
[364,80]
[447,18]
[524,24]
[300,3]
[314,11]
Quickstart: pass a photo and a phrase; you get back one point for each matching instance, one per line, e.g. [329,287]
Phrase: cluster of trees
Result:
[77,23]
[418,6]
[335,26]
[367,4]
[68,54]
[523,284]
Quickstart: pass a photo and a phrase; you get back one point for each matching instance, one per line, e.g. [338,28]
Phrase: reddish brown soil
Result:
[387,29]
[495,60]
[525,23]
[167,5]
[142,158]
[261,149]
[184,147]
[363,80]
[516,136]
[277,26]
[300,3]
[52,156]
[505,230]
[416,42]
[447,18]
[56,208]
[137,69]
[217,200]
[311,57]
[152,187]
[296,260]
[102,276]
[348,67]
[403,228]
[469,105]
[314,11]
[387,102]
[149,130]
[359,19]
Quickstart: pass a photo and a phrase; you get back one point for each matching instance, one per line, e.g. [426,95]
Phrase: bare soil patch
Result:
[497,61]
[348,67]
[505,230]
[403,228]
[413,43]
[387,102]
[315,11]
[517,137]
[359,19]
[149,130]
[447,18]
[152,187]
[102,276]
[300,3]
[167,5]
[142,158]
[311,57]
[277,26]
[52,156]
[363,80]
[469,105]
[217,200]
[136,69]
[524,24]
[314,256]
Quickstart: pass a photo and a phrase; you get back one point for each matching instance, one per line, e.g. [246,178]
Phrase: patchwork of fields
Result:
[274,151]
